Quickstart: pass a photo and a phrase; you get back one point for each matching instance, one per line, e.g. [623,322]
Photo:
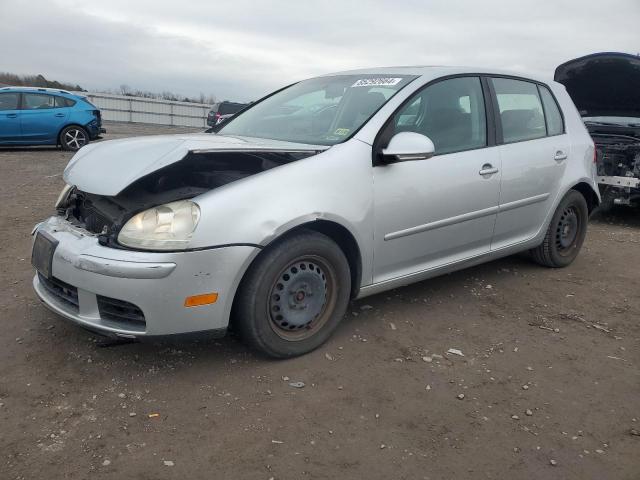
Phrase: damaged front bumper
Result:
[137,294]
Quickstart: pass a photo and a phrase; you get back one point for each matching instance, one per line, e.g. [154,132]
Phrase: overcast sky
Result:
[242,49]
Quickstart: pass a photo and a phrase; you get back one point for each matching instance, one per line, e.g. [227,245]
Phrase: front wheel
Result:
[73,138]
[294,295]
[565,234]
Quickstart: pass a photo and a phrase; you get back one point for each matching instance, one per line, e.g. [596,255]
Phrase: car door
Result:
[9,117]
[42,117]
[441,210]
[533,153]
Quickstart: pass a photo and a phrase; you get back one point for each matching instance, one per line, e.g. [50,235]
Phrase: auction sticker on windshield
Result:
[377,82]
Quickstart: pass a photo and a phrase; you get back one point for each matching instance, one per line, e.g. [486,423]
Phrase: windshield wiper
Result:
[608,124]
[611,124]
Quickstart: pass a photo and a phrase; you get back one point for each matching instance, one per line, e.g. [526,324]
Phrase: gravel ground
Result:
[548,387]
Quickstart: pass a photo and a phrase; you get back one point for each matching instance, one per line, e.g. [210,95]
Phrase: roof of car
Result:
[435,71]
[35,89]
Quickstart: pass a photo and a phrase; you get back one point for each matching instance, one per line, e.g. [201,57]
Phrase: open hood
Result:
[107,168]
[603,84]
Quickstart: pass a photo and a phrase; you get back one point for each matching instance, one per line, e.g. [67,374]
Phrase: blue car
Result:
[45,116]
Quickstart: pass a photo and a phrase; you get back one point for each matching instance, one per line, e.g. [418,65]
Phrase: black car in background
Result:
[222,111]
[605,88]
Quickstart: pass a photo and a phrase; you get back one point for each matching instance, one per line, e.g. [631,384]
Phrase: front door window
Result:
[451,113]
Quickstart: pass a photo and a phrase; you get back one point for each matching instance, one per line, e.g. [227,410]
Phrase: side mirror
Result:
[407,146]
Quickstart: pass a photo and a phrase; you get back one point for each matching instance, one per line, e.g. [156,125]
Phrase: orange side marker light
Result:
[199,300]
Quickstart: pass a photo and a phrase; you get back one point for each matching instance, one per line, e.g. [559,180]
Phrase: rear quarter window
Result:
[64,102]
[555,124]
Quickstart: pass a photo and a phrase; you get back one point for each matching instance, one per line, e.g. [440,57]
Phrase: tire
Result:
[293,296]
[73,138]
[566,233]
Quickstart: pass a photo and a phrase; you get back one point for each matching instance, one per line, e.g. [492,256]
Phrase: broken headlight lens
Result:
[165,227]
[63,198]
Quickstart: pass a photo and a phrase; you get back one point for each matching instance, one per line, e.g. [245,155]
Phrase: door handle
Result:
[488,169]
[59,115]
[12,115]
[560,156]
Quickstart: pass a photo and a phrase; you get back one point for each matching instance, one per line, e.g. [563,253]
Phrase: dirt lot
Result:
[551,372]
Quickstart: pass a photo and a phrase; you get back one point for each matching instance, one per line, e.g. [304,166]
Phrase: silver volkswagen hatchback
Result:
[330,189]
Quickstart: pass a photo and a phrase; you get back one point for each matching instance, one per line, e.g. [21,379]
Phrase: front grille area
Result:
[67,294]
[121,312]
[127,315]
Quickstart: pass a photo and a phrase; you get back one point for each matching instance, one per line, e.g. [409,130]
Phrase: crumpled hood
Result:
[603,84]
[107,168]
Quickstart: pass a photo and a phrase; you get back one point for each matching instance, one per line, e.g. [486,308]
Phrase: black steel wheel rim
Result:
[302,298]
[568,230]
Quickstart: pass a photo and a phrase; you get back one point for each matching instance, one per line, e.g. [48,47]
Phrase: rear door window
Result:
[38,101]
[9,101]
[521,112]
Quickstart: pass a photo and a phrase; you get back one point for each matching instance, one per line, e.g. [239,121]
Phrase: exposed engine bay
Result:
[618,164]
[197,173]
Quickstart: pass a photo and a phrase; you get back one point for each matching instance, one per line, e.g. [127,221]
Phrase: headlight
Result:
[165,227]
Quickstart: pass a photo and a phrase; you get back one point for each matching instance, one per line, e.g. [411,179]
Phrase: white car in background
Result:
[333,188]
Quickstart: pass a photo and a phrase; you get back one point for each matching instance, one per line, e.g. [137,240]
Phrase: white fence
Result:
[121,108]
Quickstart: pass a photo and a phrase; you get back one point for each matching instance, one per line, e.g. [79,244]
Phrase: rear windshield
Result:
[86,100]
[228,108]
[319,111]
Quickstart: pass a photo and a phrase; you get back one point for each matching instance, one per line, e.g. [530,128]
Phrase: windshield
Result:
[319,111]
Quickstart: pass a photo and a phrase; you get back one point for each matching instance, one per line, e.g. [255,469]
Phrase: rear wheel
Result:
[566,232]
[73,138]
[293,296]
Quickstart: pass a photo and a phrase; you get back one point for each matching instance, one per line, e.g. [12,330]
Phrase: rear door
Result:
[42,116]
[533,154]
[9,117]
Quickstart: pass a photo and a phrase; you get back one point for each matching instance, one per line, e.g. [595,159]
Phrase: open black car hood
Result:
[603,84]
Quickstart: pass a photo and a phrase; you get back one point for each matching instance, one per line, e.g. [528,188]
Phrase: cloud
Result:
[242,49]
